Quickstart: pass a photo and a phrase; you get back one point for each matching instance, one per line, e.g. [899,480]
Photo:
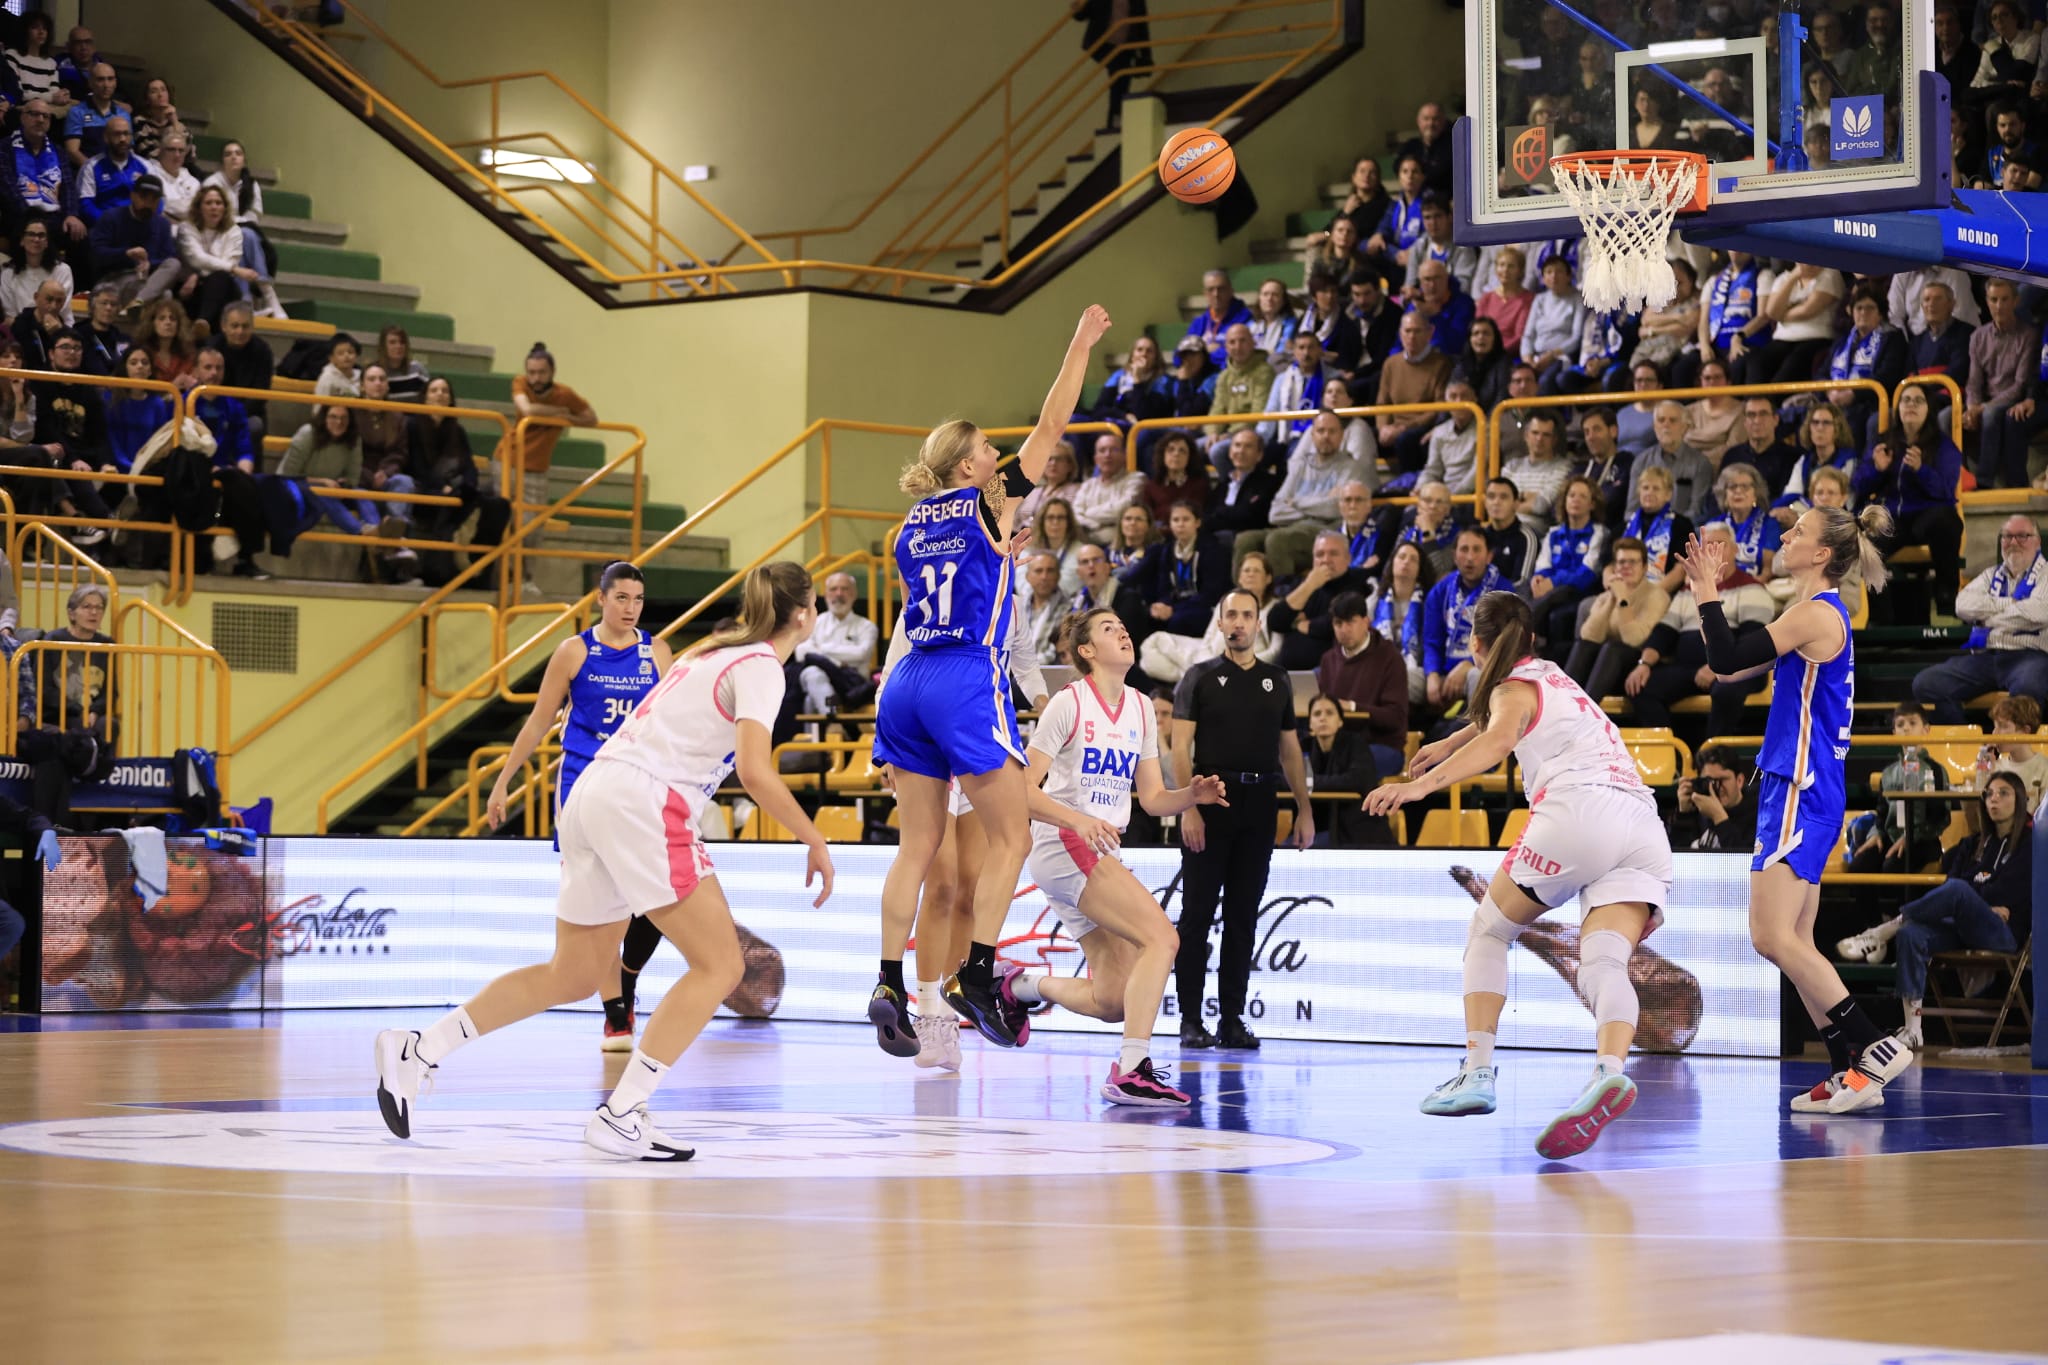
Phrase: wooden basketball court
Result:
[227,1193]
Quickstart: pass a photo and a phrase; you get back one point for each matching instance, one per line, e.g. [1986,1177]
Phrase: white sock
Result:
[447,1033]
[931,1001]
[1134,1050]
[1478,1049]
[1609,1063]
[1889,930]
[1912,1011]
[637,1082]
[1026,988]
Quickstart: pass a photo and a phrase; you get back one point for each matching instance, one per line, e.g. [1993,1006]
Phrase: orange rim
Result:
[1609,164]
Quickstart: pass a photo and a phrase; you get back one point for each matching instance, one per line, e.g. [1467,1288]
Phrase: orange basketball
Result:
[1197,165]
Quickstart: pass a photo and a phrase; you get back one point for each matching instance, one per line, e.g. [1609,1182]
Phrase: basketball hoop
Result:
[1626,200]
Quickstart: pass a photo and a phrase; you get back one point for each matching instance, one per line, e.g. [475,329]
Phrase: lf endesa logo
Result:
[307,925]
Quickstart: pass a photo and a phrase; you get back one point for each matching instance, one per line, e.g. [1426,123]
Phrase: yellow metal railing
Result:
[997,160]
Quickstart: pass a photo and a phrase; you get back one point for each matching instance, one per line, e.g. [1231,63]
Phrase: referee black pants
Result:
[1232,865]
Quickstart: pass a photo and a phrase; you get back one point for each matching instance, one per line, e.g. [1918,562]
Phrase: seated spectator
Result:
[1692,478]
[1340,760]
[1100,587]
[1603,461]
[1711,422]
[2015,723]
[1138,391]
[1041,609]
[1556,325]
[1062,475]
[1135,537]
[85,125]
[1870,349]
[1906,299]
[1368,332]
[1302,617]
[165,330]
[234,469]
[1417,373]
[181,187]
[1801,307]
[1273,322]
[1715,813]
[1513,545]
[1542,471]
[1761,449]
[37,327]
[1635,424]
[210,245]
[1454,445]
[1998,402]
[1192,380]
[1508,302]
[1435,244]
[1397,598]
[246,360]
[71,428]
[32,261]
[1053,533]
[1401,226]
[1297,388]
[1942,343]
[1164,658]
[1913,473]
[1663,532]
[1655,127]
[1673,665]
[68,732]
[1567,567]
[1360,442]
[103,184]
[39,178]
[1225,310]
[405,375]
[1902,836]
[134,415]
[34,63]
[537,393]
[1733,323]
[325,460]
[1242,499]
[1111,486]
[106,339]
[1182,581]
[1664,334]
[157,119]
[1429,526]
[1448,674]
[1240,390]
[1614,626]
[17,433]
[341,377]
[1448,312]
[1370,537]
[835,668]
[1364,674]
[75,65]
[443,465]
[387,449]
[1985,903]
[1367,202]
[1739,491]
[133,246]
[1823,444]
[1306,504]
[1325,320]
[1595,364]
[1486,363]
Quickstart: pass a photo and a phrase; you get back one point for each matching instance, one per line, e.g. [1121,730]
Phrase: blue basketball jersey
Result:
[957,585]
[604,692]
[1806,737]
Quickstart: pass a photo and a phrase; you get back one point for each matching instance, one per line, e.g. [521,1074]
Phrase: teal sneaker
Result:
[1468,1092]
[1606,1098]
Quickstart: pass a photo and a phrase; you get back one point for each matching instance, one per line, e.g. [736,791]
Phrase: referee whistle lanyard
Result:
[2002,585]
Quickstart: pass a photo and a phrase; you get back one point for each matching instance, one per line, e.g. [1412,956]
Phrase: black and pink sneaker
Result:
[1143,1085]
[1016,1013]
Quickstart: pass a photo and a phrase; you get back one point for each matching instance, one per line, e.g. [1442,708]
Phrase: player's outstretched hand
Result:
[1208,791]
[1094,325]
[818,868]
[1099,835]
[1429,755]
[1390,798]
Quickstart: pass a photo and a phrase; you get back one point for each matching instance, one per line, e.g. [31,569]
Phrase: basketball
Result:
[1197,165]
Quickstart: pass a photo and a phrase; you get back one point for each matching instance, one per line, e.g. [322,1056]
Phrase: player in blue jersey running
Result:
[1801,793]
[947,712]
[599,675]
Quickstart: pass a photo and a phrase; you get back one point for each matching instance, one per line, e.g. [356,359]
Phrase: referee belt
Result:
[1238,779]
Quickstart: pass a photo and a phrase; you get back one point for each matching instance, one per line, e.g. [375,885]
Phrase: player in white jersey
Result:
[1097,745]
[630,847]
[1593,833]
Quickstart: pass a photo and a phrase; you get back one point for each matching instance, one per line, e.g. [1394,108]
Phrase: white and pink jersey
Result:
[683,731]
[1095,750]
[1571,743]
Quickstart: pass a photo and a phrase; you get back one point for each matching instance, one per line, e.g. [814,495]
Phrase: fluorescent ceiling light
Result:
[533,166]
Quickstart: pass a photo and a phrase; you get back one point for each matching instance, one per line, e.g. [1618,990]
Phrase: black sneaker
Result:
[982,1006]
[1192,1034]
[1236,1037]
[895,1032]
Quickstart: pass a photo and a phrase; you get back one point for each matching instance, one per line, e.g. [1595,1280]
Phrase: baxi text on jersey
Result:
[1121,763]
[950,510]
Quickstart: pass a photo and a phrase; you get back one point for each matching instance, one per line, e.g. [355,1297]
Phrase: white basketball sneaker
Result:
[1863,947]
[632,1135]
[1815,1101]
[402,1077]
[1863,1084]
[938,1042]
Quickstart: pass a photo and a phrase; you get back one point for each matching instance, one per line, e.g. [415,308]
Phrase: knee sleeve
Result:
[1486,949]
[1603,977]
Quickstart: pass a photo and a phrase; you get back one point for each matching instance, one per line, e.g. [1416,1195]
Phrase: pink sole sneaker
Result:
[1577,1128]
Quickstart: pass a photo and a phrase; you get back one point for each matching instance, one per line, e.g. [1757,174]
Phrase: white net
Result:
[1627,207]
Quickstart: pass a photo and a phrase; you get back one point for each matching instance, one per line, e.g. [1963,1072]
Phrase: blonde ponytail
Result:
[1873,524]
[771,595]
[944,448]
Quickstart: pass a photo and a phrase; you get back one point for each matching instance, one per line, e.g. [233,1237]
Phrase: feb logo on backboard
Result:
[1527,163]
[1856,125]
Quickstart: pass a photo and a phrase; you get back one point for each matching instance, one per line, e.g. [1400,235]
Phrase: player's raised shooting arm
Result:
[1064,396]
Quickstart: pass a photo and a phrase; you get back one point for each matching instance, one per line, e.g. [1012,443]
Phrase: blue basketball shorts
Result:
[947,713]
[1794,827]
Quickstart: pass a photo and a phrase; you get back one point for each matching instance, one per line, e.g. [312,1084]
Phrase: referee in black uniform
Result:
[1233,717]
